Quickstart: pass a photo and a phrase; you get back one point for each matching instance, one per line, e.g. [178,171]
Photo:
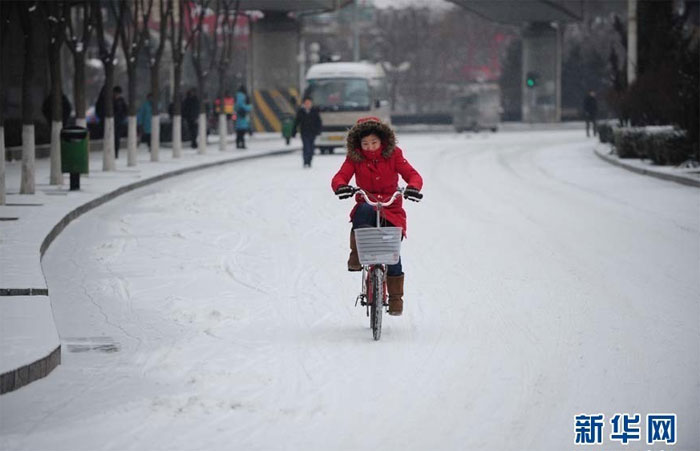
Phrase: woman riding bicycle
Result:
[376,162]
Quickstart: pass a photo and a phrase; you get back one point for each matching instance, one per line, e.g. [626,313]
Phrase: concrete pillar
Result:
[274,41]
[542,55]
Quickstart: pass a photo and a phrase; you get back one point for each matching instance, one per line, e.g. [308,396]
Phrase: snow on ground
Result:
[213,311]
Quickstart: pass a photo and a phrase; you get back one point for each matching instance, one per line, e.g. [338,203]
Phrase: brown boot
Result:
[354,260]
[394,286]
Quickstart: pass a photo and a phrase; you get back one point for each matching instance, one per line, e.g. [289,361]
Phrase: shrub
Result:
[663,145]
[605,132]
[670,147]
[628,142]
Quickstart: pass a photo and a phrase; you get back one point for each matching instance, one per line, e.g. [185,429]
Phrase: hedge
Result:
[669,148]
[662,145]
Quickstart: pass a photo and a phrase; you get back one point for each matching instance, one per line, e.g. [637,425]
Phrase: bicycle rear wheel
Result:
[377,301]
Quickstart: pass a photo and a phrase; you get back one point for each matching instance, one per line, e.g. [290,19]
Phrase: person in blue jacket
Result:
[143,120]
[243,109]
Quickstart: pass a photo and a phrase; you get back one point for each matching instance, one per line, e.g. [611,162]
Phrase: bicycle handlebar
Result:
[364,194]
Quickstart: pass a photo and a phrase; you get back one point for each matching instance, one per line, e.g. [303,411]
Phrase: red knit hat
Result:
[368,119]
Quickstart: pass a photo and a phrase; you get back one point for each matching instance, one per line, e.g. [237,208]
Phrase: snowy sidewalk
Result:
[29,342]
[686,176]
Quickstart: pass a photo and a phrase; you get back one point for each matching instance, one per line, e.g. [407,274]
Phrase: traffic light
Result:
[531,79]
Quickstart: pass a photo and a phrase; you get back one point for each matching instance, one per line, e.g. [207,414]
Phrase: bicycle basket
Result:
[378,245]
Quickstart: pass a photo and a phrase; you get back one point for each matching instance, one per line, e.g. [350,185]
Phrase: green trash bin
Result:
[287,127]
[74,153]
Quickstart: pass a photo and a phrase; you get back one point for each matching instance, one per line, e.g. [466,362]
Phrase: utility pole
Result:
[631,41]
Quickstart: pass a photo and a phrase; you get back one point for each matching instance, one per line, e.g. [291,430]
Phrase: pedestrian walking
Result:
[190,113]
[243,109]
[120,113]
[590,113]
[143,120]
[47,109]
[308,121]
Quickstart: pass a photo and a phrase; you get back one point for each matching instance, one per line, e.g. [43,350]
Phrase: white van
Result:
[344,92]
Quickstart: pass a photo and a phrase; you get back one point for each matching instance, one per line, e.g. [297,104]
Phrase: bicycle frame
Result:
[375,273]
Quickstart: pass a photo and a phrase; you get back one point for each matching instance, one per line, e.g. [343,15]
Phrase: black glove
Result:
[412,193]
[344,191]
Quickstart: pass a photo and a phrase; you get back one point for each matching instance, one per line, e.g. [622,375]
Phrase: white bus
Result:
[344,92]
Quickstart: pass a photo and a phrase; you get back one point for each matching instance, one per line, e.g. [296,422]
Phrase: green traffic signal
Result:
[531,79]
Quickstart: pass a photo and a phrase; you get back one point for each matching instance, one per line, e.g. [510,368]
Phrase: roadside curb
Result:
[41,367]
[678,178]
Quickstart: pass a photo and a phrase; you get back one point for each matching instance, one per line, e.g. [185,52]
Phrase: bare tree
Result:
[4,26]
[107,55]
[133,34]
[441,49]
[26,14]
[203,44]
[78,45]
[178,48]
[225,29]
[155,54]
[78,15]
[53,14]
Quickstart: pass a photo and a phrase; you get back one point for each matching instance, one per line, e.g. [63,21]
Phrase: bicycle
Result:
[377,247]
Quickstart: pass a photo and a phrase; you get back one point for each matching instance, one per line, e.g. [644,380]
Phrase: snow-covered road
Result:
[213,311]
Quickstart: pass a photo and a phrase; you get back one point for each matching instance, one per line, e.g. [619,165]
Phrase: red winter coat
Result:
[378,173]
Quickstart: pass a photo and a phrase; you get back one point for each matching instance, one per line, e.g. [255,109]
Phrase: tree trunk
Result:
[2,162]
[132,142]
[177,136]
[79,88]
[108,138]
[132,133]
[155,137]
[2,125]
[55,176]
[28,158]
[155,119]
[177,110]
[202,135]
[222,115]
[28,149]
[222,132]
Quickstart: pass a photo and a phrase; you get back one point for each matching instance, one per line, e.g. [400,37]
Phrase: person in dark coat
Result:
[308,121]
[590,112]
[190,113]
[121,111]
[47,109]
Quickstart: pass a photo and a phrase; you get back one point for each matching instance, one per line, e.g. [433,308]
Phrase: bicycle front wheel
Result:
[377,305]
